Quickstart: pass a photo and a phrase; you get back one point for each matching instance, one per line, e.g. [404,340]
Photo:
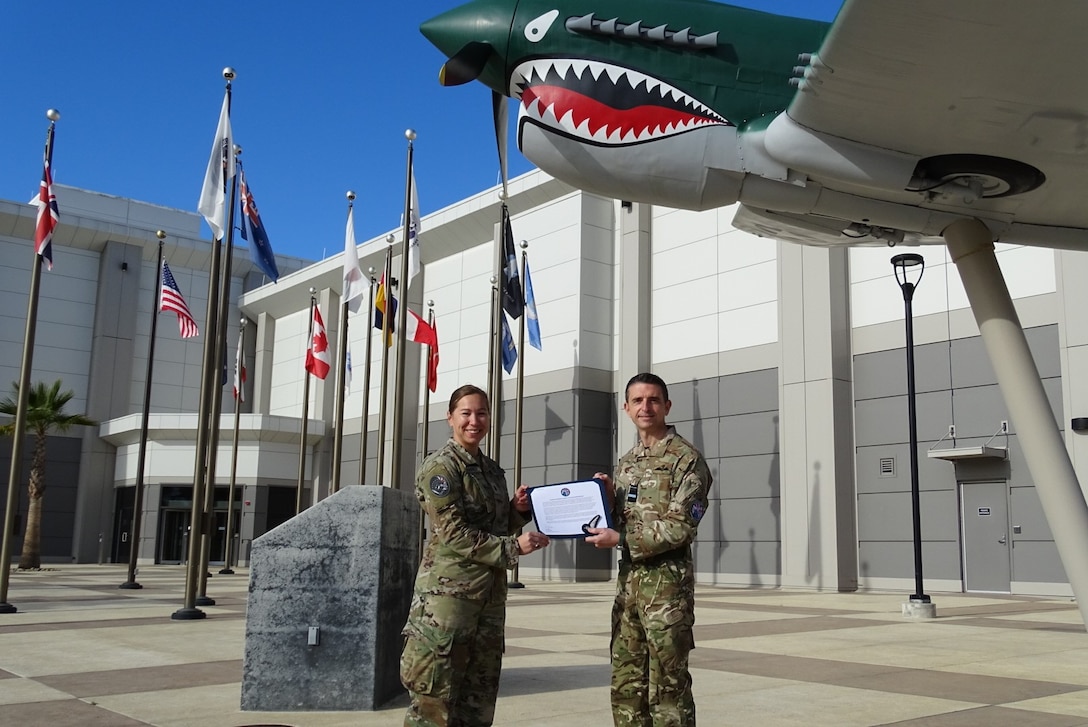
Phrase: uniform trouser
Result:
[451,661]
[652,621]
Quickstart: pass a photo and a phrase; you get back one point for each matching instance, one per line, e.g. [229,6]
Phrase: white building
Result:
[786,366]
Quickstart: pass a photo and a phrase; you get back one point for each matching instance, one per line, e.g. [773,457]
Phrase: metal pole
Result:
[214,419]
[226,569]
[18,435]
[402,322]
[519,401]
[305,408]
[424,436]
[903,265]
[208,373]
[383,404]
[364,421]
[138,506]
[492,334]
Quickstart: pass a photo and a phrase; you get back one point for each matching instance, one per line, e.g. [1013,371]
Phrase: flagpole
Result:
[19,425]
[137,510]
[492,333]
[305,407]
[402,322]
[384,402]
[189,611]
[239,367]
[364,422]
[424,437]
[215,414]
[519,399]
[342,358]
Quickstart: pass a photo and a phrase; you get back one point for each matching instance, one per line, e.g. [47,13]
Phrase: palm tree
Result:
[44,413]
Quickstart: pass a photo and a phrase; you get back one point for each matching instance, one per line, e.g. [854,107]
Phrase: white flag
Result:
[213,197]
[354,282]
[414,228]
[239,372]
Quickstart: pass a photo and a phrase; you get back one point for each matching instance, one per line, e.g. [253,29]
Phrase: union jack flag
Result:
[171,300]
[48,212]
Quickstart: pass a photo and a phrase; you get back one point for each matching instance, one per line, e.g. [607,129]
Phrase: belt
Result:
[682,553]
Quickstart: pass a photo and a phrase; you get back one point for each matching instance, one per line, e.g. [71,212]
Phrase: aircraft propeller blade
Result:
[466,64]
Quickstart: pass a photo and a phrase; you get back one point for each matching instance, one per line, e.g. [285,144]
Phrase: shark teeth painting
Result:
[604,104]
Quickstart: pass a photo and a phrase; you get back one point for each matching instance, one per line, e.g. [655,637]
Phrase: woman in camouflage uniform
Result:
[454,635]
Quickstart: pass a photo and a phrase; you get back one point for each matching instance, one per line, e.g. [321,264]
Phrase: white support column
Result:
[634,313]
[818,527]
[971,246]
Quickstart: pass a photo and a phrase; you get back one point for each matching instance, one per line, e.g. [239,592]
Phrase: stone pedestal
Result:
[919,610]
[329,591]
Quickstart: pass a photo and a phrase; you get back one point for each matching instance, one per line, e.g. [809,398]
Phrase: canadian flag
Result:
[317,353]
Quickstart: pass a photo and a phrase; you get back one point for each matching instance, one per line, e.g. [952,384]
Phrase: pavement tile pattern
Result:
[81,652]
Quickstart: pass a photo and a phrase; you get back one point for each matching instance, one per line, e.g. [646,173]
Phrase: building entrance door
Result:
[984,515]
[174,536]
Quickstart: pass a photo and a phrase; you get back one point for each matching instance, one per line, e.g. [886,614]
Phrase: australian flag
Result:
[260,250]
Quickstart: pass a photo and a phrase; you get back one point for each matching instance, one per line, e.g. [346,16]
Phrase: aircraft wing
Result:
[990,95]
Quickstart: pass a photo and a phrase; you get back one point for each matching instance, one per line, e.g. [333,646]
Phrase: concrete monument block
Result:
[329,591]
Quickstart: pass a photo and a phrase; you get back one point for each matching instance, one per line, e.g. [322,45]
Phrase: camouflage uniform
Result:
[454,634]
[661,495]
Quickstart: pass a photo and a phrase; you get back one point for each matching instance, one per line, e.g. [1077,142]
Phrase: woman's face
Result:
[470,421]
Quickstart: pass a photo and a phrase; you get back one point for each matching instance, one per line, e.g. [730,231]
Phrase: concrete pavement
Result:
[82,652]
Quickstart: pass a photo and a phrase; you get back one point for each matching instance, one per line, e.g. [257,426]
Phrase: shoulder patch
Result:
[697,510]
[439,486]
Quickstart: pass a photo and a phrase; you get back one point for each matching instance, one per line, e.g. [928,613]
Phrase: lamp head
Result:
[908,268]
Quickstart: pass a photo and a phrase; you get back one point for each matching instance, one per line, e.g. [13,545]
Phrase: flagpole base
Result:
[130,586]
[226,572]
[7,608]
[205,601]
[188,614]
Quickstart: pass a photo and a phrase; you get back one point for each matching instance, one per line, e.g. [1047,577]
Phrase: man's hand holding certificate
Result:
[566,509]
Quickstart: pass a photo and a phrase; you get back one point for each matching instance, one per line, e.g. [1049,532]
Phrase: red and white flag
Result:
[317,352]
[432,362]
[48,212]
[416,329]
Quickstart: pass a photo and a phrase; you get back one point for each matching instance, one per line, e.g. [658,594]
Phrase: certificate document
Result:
[562,510]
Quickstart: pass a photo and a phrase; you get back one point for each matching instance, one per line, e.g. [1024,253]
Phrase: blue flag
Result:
[260,250]
[509,351]
[531,322]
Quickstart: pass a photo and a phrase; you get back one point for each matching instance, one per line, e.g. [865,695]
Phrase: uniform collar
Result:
[462,454]
[656,449]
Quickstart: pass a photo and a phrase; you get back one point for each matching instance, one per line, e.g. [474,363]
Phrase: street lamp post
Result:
[908,273]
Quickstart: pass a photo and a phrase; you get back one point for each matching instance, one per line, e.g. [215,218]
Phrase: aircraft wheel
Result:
[999,177]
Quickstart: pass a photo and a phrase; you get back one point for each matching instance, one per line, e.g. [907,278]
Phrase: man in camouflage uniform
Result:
[454,634]
[660,495]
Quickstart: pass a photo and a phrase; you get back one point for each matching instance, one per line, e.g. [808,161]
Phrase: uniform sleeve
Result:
[517,519]
[677,526]
[439,488]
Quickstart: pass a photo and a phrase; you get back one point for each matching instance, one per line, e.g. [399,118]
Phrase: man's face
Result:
[647,407]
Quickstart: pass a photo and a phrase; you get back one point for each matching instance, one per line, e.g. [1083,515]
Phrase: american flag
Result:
[172,300]
[48,212]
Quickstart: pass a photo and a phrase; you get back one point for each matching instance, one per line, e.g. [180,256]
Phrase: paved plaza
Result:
[82,652]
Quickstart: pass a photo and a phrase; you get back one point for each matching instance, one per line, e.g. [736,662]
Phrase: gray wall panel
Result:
[747,393]
[880,559]
[886,421]
[1026,511]
[755,519]
[742,477]
[747,434]
[1037,562]
[703,433]
[753,557]
[696,399]
[888,516]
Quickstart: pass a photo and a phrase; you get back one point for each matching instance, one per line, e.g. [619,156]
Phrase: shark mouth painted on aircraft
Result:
[603,104]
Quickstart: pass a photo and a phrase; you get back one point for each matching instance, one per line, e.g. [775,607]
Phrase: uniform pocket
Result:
[425,663]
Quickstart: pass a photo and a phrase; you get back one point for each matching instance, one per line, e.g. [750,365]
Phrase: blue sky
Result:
[323,96]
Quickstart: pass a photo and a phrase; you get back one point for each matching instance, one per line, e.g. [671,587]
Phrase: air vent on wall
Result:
[887,466]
